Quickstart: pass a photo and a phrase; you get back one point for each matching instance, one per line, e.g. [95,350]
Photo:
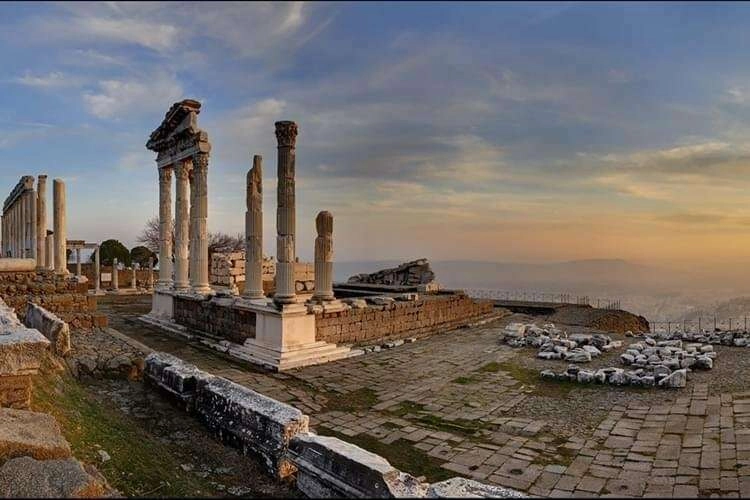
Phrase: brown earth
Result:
[615,321]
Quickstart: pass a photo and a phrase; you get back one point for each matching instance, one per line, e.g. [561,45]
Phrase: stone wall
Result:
[125,276]
[399,319]
[218,316]
[62,296]
[49,325]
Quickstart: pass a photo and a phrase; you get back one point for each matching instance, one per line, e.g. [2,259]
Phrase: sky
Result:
[539,131]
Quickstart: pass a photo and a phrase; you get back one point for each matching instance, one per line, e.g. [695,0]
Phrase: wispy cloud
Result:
[132,96]
[50,80]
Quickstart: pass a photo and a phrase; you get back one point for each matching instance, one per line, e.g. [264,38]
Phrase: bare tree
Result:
[217,242]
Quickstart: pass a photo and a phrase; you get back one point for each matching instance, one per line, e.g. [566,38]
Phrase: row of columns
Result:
[286,135]
[191,225]
[24,226]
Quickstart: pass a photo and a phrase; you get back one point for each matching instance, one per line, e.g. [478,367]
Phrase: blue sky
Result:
[486,131]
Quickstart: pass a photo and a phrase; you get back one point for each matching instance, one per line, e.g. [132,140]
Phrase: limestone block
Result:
[49,325]
[17,265]
[254,423]
[331,468]
[27,433]
[26,477]
[174,375]
[459,487]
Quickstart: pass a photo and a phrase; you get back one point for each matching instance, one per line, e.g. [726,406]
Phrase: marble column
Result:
[286,135]
[32,198]
[78,262]
[324,258]
[165,227]
[134,281]
[24,224]
[97,271]
[199,224]
[254,231]
[41,221]
[115,276]
[182,225]
[50,252]
[60,226]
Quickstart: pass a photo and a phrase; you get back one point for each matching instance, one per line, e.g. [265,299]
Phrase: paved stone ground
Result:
[460,404]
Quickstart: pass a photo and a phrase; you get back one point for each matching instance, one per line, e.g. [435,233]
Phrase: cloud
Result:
[692,218]
[148,94]
[135,160]
[50,80]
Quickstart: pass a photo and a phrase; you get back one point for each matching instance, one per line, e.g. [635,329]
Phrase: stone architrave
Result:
[182,225]
[286,135]
[254,231]
[165,226]
[199,278]
[60,228]
[115,276]
[41,222]
[324,258]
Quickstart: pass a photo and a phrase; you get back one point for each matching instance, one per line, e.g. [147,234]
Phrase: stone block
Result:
[330,468]
[254,423]
[27,433]
[26,477]
[459,487]
[49,325]
[175,376]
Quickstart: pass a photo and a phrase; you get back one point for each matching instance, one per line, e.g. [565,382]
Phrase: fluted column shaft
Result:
[50,257]
[199,225]
[78,262]
[32,223]
[115,275]
[254,231]
[60,226]
[324,258]
[97,270]
[286,135]
[182,225]
[165,227]
[41,221]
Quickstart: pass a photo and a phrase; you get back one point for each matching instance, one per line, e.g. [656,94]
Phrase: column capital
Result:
[286,134]
[165,173]
[200,161]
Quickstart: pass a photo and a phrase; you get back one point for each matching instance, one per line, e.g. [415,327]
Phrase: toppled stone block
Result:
[26,477]
[49,325]
[27,433]
[175,376]
[380,300]
[459,487]
[250,421]
[675,380]
[355,303]
[331,468]
[412,273]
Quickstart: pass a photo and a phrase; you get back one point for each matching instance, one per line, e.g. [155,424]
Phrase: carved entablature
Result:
[178,137]
[25,184]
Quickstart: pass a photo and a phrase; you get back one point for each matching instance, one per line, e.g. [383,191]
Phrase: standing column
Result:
[165,227]
[78,262]
[182,225]
[150,281]
[324,258]
[24,221]
[41,221]
[134,281]
[286,135]
[32,223]
[115,275]
[254,231]
[3,227]
[199,221]
[97,271]
[50,257]
[58,202]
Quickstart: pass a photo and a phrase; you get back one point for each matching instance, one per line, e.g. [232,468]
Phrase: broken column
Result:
[60,234]
[286,135]
[182,225]
[324,258]
[199,225]
[41,222]
[254,232]
[115,277]
[165,227]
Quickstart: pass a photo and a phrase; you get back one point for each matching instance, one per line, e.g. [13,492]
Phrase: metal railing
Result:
[530,296]
[705,323]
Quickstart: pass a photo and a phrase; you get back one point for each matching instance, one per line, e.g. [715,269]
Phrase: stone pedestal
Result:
[162,307]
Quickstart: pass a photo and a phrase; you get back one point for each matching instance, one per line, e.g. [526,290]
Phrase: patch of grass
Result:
[361,399]
[139,463]
[492,367]
[416,413]
[465,380]
[401,454]
[533,381]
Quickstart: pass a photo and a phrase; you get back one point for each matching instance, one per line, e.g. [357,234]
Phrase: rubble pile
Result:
[657,376]
[670,354]
[417,272]
[554,343]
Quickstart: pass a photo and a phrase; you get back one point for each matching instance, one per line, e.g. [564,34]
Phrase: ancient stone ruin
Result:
[414,273]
